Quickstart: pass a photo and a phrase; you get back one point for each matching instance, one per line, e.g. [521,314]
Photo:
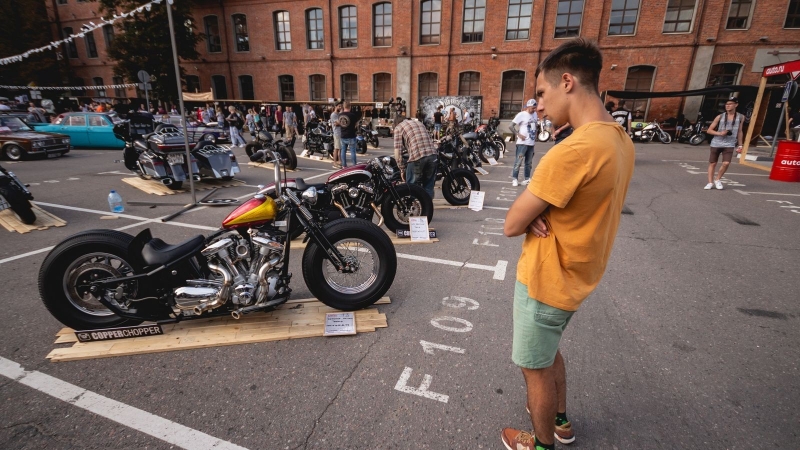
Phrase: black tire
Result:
[53,286]
[289,157]
[252,148]
[361,149]
[226,178]
[489,150]
[19,204]
[375,142]
[500,144]
[413,196]
[13,152]
[319,281]
[175,185]
[665,137]
[457,188]
[697,139]
[209,137]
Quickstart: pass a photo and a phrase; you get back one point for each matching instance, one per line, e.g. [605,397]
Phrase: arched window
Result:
[350,87]
[286,84]
[316,84]
[240,35]
[108,35]
[640,79]
[246,91]
[315,38]
[213,41]
[91,45]
[283,34]
[430,22]
[98,81]
[511,93]
[348,29]
[119,92]
[726,74]
[428,85]
[219,87]
[469,83]
[382,25]
[192,83]
[381,87]
[71,48]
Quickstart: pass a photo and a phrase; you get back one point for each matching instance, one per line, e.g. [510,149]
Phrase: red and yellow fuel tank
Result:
[256,211]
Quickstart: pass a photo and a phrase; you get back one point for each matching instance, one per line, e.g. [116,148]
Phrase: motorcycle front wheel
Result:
[544,136]
[288,157]
[416,201]
[361,147]
[367,250]
[489,150]
[457,188]
[697,139]
[252,148]
[68,270]
[664,137]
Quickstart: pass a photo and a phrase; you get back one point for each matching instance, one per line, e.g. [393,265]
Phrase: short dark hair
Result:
[580,57]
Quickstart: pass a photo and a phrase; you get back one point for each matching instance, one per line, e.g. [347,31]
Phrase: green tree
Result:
[24,26]
[142,42]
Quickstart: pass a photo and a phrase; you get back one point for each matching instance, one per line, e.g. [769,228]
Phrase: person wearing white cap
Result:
[526,120]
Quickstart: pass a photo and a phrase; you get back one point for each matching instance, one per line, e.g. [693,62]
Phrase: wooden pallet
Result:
[440,203]
[299,244]
[157,188]
[270,166]
[44,220]
[292,320]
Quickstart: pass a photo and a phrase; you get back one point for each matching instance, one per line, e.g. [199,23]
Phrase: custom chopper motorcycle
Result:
[457,184]
[265,144]
[359,191]
[651,131]
[15,196]
[160,154]
[105,278]
[317,138]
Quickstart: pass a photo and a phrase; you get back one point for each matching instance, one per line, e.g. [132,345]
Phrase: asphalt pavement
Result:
[690,341]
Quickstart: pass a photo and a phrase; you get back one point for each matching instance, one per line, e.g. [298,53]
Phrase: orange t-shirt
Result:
[584,179]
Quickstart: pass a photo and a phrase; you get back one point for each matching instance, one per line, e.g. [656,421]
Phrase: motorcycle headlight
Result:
[310,195]
[387,160]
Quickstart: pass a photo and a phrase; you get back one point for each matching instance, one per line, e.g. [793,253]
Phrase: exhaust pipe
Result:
[222,297]
[380,217]
[341,208]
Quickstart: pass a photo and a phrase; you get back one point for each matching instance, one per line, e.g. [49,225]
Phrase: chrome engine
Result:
[247,275]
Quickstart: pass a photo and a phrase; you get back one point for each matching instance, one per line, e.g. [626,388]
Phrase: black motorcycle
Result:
[457,184]
[359,191]
[318,139]
[15,196]
[106,278]
[694,134]
[265,144]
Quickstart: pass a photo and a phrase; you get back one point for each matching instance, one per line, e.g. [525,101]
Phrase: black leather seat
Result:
[470,136]
[300,184]
[157,252]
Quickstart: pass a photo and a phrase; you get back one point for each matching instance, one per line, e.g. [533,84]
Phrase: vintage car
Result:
[18,140]
[86,129]
[198,131]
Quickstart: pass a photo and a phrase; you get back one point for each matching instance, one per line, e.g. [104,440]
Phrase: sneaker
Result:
[527,180]
[337,166]
[709,186]
[564,433]
[514,439]
[514,182]
[718,184]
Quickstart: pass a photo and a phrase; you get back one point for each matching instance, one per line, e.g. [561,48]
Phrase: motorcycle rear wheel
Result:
[252,148]
[64,276]
[175,185]
[364,244]
[19,204]
[457,188]
[417,202]
[697,139]
[288,156]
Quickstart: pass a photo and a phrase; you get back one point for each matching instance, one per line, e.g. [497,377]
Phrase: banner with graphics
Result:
[460,103]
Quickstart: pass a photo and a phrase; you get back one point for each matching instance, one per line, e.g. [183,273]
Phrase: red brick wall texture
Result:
[672,54]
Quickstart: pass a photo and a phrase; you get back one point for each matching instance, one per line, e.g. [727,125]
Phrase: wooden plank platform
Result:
[157,188]
[440,203]
[44,220]
[292,320]
[270,166]
[299,244]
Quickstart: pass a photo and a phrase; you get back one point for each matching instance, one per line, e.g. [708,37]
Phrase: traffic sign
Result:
[145,87]
[143,76]
[788,91]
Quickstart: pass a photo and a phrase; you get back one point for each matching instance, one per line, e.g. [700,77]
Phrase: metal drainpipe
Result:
[227,47]
[449,49]
[694,55]
[330,41]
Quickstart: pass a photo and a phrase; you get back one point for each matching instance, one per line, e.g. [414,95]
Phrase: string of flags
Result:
[68,88]
[86,28]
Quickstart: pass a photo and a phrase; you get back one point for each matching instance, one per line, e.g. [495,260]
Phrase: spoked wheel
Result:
[209,137]
[664,137]
[543,136]
[417,203]
[697,139]
[66,274]
[489,150]
[371,265]
[457,188]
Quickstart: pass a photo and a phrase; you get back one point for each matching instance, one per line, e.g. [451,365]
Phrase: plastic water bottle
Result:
[115,202]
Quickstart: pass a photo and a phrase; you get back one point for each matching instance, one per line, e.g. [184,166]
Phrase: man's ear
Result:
[568,81]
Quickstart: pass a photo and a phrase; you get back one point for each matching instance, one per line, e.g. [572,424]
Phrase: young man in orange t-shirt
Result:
[569,213]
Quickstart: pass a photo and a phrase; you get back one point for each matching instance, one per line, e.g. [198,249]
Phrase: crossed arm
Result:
[525,216]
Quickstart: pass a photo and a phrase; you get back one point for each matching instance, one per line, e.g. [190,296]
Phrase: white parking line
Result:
[764,193]
[499,269]
[35,252]
[128,216]
[143,421]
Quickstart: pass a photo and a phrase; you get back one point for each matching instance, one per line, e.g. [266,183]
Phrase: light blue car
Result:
[85,129]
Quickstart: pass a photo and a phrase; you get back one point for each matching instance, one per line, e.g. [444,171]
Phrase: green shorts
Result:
[537,330]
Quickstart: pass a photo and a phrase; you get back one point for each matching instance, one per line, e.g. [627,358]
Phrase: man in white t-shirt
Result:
[524,128]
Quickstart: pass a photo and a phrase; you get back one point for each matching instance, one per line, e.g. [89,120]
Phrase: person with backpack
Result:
[727,131]
[234,121]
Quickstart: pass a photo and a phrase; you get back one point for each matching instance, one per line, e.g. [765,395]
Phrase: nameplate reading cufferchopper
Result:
[109,334]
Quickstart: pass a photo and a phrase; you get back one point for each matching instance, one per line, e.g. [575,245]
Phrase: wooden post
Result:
[786,121]
[753,117]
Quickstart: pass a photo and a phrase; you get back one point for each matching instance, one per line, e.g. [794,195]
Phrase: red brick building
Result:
[371,50]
